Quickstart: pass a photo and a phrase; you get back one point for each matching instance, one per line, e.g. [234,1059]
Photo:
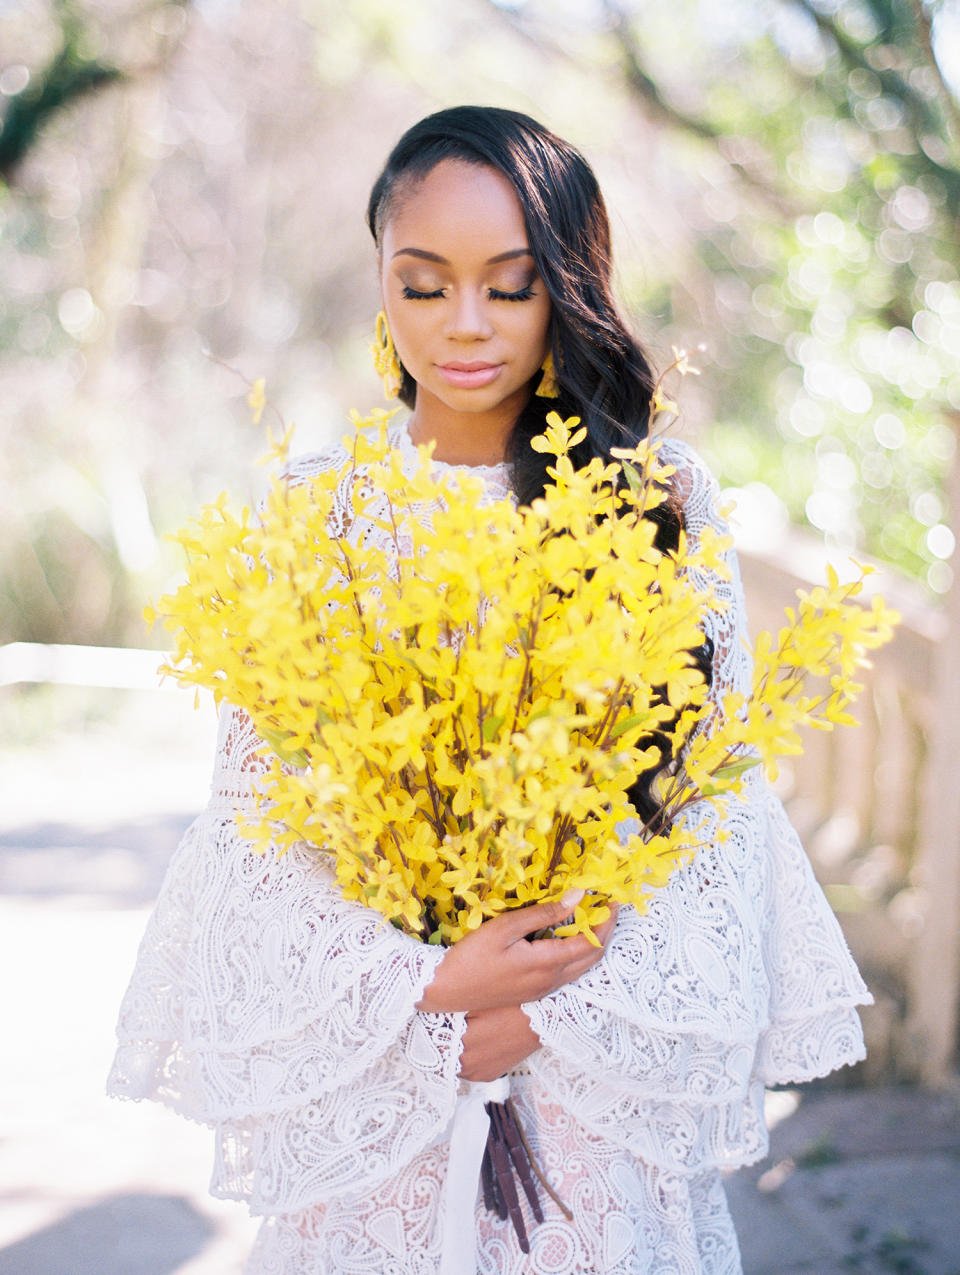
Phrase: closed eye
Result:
[411,294]
[523,295]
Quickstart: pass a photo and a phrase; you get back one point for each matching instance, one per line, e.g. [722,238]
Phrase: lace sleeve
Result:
[737,976]
[266,1005]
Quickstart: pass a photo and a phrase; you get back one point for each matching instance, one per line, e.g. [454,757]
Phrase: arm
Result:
[500,1037]
[263,1004]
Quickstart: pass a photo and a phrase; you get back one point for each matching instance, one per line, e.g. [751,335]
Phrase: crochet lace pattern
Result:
[267,1007]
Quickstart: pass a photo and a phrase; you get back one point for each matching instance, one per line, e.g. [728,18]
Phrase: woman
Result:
[326,1048]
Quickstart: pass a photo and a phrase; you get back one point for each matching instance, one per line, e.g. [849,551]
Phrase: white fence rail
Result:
[122,668]
[861,800]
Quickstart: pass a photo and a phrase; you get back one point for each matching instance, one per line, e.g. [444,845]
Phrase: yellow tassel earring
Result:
[548,387]
[385,358]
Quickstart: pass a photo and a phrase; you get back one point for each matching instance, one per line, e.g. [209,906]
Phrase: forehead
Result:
[458,210]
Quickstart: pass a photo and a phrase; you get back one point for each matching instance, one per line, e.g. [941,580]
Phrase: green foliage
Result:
[786,190]
[831,272]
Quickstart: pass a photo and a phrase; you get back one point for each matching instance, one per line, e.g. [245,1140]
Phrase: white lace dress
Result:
[266,1006]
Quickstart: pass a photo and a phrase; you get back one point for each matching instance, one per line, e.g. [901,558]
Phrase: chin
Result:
[470,401]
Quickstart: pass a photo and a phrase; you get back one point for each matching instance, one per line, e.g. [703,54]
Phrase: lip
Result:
[469,376]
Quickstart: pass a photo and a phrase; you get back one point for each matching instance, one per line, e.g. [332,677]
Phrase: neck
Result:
[464,438]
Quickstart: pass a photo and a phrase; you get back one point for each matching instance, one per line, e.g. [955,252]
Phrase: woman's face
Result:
[468,312]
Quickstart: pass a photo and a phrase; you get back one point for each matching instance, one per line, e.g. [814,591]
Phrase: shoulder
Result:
[689,466]
[692,480]
[333,456]
[307,465]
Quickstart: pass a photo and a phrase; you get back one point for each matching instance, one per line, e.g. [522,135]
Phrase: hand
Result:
[495,1041]
[494,966]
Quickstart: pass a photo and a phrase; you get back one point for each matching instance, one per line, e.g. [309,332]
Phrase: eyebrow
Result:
[434,256]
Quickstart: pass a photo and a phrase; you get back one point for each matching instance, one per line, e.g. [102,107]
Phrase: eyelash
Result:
[495,295]
[523,295]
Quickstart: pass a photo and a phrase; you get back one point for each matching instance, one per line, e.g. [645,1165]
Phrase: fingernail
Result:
[572,898]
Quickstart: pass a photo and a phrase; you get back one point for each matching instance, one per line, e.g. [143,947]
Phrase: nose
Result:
[468,319]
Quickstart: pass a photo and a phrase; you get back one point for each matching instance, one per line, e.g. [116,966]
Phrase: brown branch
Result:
[528,646]
[855,56]
[644,86]
[533,1162]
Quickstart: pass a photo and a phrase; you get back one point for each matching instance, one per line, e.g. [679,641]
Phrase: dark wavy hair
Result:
[602,373]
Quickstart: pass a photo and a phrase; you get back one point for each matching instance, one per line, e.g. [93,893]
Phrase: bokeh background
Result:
[182,188]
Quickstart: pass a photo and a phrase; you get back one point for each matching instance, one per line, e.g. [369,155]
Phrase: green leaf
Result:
[627,724]
[734,769]
[632,474]
[278,742]
[491,727]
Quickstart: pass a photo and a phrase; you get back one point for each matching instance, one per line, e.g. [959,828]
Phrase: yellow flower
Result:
[257,399]
[458,706]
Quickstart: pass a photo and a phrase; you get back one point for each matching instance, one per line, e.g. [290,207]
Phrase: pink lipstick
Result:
[469,376]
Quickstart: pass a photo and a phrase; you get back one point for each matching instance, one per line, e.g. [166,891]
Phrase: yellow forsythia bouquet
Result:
[457,705]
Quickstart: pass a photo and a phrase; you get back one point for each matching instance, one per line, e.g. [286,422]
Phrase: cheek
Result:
[539,332]
[406,328]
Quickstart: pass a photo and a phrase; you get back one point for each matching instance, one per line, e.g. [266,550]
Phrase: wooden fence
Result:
[859,799]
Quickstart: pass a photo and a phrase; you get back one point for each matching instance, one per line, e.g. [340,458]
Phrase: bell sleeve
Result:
[735,978]
[265,1005]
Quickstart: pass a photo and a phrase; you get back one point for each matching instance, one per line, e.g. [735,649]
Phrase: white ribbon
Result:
[468,1137]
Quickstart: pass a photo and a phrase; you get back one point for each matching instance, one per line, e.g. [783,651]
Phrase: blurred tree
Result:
[823,143]
[70,74]
[784,190]
[77,527]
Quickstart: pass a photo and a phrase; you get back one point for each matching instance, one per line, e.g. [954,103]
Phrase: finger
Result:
[539,916]
[568,958]
[582,967]
[561,951]
[589,954]
[604,931]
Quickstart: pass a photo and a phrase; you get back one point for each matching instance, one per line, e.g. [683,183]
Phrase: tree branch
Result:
[948,102]
[854,55]
[65,79]
[922,118]
[645,87]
